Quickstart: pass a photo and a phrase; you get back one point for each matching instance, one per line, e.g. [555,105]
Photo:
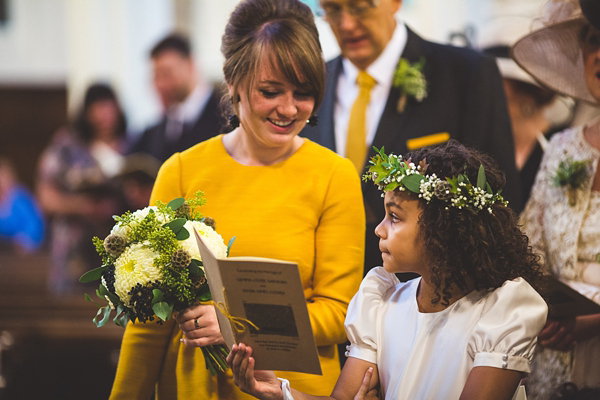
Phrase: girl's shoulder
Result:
[516,293]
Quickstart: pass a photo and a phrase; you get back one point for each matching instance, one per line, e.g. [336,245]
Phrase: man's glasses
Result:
[332,11]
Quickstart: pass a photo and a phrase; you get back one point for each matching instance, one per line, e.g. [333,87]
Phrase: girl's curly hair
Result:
[466,247]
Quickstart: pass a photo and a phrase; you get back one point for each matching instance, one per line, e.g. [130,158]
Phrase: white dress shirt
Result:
[382,70]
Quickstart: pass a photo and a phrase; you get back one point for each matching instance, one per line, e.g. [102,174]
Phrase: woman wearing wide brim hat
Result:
[562,216]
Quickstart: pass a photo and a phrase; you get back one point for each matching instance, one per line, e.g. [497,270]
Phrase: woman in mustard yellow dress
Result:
[282,196]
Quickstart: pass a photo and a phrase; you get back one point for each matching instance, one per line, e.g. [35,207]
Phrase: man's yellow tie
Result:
[356,145]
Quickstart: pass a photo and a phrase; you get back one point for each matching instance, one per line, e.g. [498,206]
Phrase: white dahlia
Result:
[213,240]
[135,265]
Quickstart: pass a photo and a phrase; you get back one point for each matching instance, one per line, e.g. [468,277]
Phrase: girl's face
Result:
[276,110]
[400,242]
[103,116]
[591,61]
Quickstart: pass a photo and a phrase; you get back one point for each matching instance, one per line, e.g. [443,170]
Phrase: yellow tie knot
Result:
[365,81]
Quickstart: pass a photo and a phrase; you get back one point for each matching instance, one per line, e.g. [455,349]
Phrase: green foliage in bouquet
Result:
[151,266]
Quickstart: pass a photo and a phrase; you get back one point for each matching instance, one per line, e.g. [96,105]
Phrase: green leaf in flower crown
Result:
[158,296]
[390,186]
[461,178]
[413,182]
[92,275]
[176,203]
[195,270]
[481,181]
[488,188]
[162,310]
[182,234]
[176,225]
[229,245]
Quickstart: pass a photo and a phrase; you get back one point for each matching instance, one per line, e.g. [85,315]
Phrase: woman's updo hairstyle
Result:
[469,247]
[286,30]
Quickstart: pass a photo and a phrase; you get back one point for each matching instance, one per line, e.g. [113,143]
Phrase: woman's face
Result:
[273,111]
[103,116]
[591,60]
[400,241]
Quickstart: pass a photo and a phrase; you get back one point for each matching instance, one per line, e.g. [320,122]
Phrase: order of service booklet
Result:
[268,293]
[565,302]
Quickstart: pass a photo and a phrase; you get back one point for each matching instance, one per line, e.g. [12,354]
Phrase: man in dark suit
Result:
[191,106]
[465,98]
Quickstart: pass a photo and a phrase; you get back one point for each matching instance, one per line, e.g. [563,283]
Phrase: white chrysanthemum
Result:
[213,240]
[135,265]
[138,216]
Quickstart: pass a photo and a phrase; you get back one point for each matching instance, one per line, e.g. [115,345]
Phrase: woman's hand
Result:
[261,384]
[200,326]
[558,335]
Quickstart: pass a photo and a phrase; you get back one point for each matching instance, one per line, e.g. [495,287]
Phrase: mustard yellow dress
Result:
[307,209]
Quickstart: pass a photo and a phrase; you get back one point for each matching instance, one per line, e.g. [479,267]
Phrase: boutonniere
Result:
[410,80]
[571,175]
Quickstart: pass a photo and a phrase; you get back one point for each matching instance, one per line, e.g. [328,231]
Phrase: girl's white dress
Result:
[429,355]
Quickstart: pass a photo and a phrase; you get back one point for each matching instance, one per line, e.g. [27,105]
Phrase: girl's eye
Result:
[394,217]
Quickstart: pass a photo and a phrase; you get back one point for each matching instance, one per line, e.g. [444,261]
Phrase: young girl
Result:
[467,327]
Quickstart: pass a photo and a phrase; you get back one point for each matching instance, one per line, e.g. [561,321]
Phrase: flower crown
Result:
[391,172]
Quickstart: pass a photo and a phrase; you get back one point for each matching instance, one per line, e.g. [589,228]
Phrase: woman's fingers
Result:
[364,386]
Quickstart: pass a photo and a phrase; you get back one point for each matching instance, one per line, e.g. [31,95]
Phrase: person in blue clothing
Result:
[21,221]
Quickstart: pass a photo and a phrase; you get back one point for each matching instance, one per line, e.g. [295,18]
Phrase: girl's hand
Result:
[261,384]
[200,326]
[364,386]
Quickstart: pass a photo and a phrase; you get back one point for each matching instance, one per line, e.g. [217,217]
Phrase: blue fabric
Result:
[21,220]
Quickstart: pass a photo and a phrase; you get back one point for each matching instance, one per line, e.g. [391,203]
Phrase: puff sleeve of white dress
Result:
[362,315]
[506,334]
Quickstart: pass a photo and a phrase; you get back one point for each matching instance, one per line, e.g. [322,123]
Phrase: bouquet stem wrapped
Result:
[151,267]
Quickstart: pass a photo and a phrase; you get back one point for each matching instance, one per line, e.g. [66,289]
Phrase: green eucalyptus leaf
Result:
[206,296]
[413,182]
[481,181]
[157,296]
[103,290]
[162,310]
[87,297]
[114,299]
[176,203]
[118,320]
[182,234]
[229,245]
[122,320]
[92,275]
[176,225]
[106,315]
[195,270]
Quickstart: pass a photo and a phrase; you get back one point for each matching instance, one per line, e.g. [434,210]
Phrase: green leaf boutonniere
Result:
[571,175]
[410,80]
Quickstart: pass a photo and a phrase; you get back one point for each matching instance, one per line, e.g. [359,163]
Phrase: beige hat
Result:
[553,53]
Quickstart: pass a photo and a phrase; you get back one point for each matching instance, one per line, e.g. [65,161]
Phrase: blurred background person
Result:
[21,220]
[562,216]
[74,187]
[191,112]
[535,112]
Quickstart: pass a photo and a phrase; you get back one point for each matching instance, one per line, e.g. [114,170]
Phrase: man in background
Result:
[191,111]
[440,92]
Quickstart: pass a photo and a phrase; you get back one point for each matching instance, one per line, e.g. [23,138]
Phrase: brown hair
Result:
[284,28]
[464,246]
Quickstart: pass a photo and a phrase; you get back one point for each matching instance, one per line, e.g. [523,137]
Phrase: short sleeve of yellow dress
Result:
[307,209]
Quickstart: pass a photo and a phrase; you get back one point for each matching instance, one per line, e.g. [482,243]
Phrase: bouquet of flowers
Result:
[151,266]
